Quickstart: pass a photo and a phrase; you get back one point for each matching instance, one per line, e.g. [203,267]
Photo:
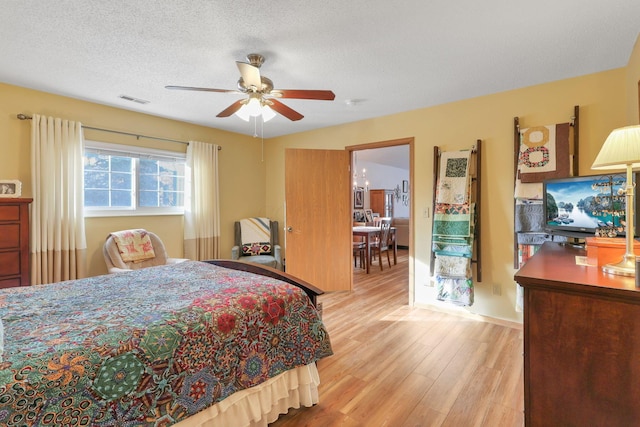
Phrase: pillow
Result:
[262,248]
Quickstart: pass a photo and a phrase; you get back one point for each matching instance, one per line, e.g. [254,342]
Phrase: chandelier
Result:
[359,176]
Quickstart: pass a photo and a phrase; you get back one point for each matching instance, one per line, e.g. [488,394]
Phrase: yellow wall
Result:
[607,100]
[458,125]
[241,167]
[632,91]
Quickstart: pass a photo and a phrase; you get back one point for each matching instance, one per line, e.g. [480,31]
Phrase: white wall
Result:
[385,177]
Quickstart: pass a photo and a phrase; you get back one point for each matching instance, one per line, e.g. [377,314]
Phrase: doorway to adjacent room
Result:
[384,171]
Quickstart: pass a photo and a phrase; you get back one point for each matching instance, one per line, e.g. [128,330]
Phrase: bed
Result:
[192,344]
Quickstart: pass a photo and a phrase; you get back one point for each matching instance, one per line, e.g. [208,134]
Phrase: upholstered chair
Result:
[114,258]
[256,241]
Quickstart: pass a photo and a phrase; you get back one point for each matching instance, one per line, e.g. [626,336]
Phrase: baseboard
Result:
[462,312]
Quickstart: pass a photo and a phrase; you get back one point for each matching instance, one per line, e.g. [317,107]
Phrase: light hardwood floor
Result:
[394,365]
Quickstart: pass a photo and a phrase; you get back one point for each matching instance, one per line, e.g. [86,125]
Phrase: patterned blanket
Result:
[134,245]
[149,347]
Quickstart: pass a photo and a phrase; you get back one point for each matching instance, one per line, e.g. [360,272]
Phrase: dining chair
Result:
[382,243]
[376,223]
[359,248]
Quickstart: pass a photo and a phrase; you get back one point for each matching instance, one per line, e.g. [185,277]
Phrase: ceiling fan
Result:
[260,91]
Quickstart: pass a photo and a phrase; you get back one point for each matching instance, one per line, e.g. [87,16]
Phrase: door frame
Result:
[390,143]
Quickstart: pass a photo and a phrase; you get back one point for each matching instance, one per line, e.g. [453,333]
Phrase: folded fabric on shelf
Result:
[454,179]
[533,238]
[451,225]
[452,249]
[455,291]
[544,153]
[454,225]
[529,216]
[529,191]
[456,267]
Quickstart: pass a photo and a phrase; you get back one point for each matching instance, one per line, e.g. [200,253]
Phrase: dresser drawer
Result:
[9,263]
[9,283]
[14,242]
[9,236]
[10,213]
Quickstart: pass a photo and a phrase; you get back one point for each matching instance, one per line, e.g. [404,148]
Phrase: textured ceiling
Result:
[379,57]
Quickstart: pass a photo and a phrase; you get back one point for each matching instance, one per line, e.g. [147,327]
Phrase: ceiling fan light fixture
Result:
[243,113]
[267,113]
[253,107]
[261,96]
[249,110]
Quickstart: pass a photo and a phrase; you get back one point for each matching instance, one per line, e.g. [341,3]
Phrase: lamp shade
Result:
[253,108]
[620,149]
[267,113]
[243,113]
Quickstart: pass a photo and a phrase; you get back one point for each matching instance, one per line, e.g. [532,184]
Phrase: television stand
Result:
[575,242]
[581,335]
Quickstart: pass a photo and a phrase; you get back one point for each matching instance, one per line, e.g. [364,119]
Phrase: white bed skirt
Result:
[262,404]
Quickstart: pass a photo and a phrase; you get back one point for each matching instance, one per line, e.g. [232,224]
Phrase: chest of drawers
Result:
[14,242]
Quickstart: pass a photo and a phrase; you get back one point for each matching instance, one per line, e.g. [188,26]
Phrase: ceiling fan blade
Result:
[288,112]
[202,89]
[231,109]
[322,95]
[250,75]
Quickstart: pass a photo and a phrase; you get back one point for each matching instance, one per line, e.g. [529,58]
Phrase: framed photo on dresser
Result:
[10,188]
[368,213]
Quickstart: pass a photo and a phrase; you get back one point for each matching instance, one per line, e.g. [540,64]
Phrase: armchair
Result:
[256,241]
[113,256]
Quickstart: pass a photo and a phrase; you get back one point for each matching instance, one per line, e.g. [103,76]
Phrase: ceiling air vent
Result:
[132,99]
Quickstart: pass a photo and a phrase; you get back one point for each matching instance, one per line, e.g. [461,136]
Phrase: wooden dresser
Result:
[581,342]
[14,242]
[381,201]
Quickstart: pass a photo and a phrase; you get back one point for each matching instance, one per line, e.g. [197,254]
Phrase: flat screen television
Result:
[577,206]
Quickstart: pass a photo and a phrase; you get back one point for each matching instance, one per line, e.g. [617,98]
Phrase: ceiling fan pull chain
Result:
[255,127]
[262,137]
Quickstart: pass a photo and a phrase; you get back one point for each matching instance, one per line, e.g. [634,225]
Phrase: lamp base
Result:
[626,267]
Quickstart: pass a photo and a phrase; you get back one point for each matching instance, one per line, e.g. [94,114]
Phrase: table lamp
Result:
[621,150]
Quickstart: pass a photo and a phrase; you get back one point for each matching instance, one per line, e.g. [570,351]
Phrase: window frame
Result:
[137,153]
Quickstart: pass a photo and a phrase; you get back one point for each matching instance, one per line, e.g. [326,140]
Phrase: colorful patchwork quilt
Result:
[149,347]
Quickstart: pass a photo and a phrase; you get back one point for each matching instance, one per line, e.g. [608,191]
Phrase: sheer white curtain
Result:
[202,202]
[58,244]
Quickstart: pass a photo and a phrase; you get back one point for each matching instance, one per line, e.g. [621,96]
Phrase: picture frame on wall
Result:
[10,188]
[358,198]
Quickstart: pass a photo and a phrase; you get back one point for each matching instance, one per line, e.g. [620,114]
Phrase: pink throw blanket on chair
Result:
[134,245]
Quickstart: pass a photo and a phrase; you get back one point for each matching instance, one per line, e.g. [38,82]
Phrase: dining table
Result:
[370,233]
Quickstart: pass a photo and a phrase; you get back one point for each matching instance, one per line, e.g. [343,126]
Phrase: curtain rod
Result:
[25,117]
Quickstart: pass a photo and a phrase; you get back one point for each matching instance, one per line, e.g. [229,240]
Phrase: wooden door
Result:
[318,217]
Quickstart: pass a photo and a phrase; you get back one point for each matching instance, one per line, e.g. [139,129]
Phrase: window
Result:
[125,180]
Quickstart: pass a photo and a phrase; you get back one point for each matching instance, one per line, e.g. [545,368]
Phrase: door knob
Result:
[289,229]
